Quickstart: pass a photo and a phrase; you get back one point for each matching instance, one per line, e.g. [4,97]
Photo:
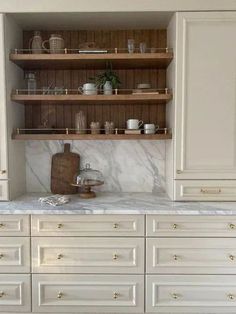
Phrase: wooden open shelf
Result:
[92,61]
[94,99]
[45,137]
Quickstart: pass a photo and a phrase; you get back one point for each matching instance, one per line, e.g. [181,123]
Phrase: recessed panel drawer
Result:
[14,255]
[88,225]
[15,293]
[191,226]
[190,294]
[88,255]
[88,293]
[14,225]
[191,256]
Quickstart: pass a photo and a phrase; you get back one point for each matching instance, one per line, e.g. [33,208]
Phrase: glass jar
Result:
[31,83]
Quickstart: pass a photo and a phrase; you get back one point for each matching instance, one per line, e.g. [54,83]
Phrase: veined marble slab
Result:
[118,203]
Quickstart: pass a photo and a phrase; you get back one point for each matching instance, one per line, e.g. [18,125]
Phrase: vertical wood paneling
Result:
[63,115]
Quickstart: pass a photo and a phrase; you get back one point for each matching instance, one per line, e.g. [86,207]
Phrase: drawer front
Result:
[14,255]
[205,190]
[86,225]
[4,190]
[190,294]
[88,255]
[191,226]
[15,293]
[88,293]
[191,256]
[14,225]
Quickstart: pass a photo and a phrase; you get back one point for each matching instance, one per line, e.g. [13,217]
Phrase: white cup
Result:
[88,89]
[150,128]
[134,124]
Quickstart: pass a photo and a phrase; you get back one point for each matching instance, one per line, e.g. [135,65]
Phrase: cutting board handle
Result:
[66,148]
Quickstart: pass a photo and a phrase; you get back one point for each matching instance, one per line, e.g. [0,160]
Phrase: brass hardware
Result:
[231,296]
[175,226]
[232,226]
[115,256]
[59,256]
[212,191]
[116,50]
[178,171]
[59,295]
[59,226]
[115,226]
[175,296]
[67,131]
[1,255]
[115,295]
[176,257]
[232,257]
[65,50]
[2,293]
[1,225]
[3,171]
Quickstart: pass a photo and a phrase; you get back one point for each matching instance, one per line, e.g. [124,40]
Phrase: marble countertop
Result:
[118,203]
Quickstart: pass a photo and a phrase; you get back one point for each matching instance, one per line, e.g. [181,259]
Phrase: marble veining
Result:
[127,166]
[118,203]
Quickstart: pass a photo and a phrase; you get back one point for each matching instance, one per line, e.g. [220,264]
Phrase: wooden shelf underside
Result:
[92,61]
[47,137]
[129,98]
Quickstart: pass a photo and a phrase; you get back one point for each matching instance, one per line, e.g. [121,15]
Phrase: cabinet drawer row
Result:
[118,225]
[118,293]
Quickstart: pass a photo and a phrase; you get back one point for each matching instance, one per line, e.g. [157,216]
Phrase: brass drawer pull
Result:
[211,191]
[175,296]
[174,226]
[1,255]
[59,295]
[59,226]
[176,257]
[115,295]
[59,256]
[2,293]
[231,296]
[3,171]
[115,256]
[115,226]
[1,225]
[231,257]
[232,226]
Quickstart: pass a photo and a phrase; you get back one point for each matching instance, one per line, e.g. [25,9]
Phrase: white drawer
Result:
[88,225]
[191,294]
[15,293]
[191,256]
[88,255]
[14,225]
[4,190]
[191,226]
[88,293]
[14,255]
[205,190]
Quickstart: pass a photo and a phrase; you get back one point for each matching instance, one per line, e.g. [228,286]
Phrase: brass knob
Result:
[3,171]
[115,256]
[59,226]
[2,293]
[178,171]
[175,257]
[1,225]
[1,255]
[59,256]
[232,226]
[231,296]
[175,296]
[175,226]
[231,257]
[115,295]
[59,295]
[115,225]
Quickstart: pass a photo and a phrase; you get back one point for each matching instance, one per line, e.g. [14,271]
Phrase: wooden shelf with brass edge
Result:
[45,137]
[92,61]
[94,99]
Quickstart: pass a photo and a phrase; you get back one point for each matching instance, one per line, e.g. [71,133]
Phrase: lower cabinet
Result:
[15,293]
[204,294]
[4,190]
[88,293]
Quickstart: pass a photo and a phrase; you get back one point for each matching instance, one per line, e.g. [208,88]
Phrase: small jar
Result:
[95,127]
[109,127]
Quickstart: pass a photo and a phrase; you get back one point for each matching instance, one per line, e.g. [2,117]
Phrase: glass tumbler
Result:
[131,45]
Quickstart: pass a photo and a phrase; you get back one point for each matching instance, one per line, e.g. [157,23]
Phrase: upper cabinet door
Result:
[205,96]
[3,128]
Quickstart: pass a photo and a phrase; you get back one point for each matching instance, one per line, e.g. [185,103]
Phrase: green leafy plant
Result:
[108,75]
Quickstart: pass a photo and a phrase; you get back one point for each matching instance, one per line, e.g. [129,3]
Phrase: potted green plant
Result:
[107,80]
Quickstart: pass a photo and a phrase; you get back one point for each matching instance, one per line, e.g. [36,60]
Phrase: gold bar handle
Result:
[210,191]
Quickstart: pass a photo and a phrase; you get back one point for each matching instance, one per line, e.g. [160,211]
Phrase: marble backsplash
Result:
[127,166]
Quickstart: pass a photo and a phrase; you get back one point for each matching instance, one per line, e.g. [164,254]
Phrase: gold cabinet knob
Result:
[59,295]
[175,257]
[231,257]
[1,225]
[3,171]
[174,226]
[175,296]
[115,256]
[59,256]
[1,255]
[59,226]
[115,226]
[232,226]
[231,296]
[178,171]
[2,293]
[115,295]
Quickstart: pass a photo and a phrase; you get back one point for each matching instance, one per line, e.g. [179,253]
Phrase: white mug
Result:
[134,124]
[150,128]
[88,89]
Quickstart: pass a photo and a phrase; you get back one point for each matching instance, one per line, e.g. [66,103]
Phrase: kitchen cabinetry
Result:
[204,107]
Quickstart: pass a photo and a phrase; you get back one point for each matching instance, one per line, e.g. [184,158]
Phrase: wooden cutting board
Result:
[64,166]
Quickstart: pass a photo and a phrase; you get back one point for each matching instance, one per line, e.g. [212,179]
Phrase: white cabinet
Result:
[206,96]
